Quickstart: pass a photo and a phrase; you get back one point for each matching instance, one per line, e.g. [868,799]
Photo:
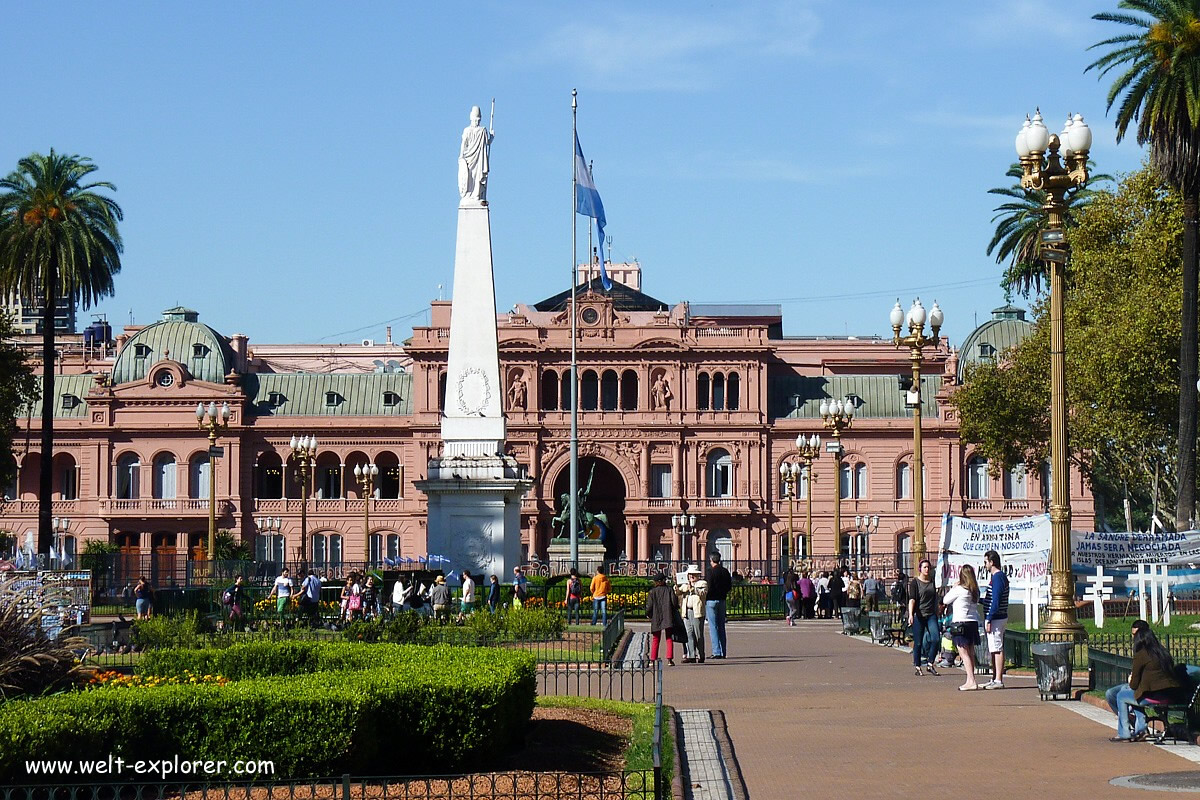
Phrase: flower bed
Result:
[313,708]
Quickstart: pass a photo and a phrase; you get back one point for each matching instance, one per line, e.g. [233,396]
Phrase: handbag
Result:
[790,596]
[678,631]
[355,602]
[958,629]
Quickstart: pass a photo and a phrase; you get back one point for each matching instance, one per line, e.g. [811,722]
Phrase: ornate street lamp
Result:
[794,473]
[269,527]
[864,525]
[916,341]
[304,453]
[365,475]
[214,422]
[808,450]
[683,525]
[1042,170]
[59,525]
[837,415]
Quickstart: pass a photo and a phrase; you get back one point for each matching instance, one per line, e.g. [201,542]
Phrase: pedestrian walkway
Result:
[705,762]
[810,710]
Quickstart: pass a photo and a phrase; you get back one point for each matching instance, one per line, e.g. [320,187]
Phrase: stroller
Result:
[948,657]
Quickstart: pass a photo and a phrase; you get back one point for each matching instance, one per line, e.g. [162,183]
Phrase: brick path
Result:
[812,711]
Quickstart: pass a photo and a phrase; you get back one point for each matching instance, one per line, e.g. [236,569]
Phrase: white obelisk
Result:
[474,489]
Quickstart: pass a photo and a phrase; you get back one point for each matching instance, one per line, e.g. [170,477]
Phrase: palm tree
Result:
[58,239]
[1160,90]
[1019,224]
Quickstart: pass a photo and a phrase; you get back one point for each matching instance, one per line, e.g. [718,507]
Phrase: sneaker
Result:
[994,685]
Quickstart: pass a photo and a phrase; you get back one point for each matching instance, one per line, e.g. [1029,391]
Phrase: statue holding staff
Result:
[473,158]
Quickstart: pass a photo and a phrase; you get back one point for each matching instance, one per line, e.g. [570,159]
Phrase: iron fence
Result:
[883,564]
[1183,647]
[635,681]
[1107,669]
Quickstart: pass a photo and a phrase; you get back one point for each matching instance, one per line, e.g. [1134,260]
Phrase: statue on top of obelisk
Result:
[473,160]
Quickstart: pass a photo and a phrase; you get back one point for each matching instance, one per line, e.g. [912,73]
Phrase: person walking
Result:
[963,600]
[493,598]
[996,618]
[922,617]
[870,593]
[719,583]
[808,595]
[520,588]
[310,598]
[600,587]
[236,600]
[791,596]
[661,611]
[837,594]
[693,596]
[439,598]
[370,598]
[824,609]
[281,590]
[466,604]
[854,591]
[574,596]
[401,591]
[143,596]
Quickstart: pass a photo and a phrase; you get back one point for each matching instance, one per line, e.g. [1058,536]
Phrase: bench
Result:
[1178,719]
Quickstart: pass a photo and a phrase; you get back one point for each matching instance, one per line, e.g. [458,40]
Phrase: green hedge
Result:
[312,708]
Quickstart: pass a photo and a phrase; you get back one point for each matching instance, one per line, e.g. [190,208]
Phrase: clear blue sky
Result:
[288,168]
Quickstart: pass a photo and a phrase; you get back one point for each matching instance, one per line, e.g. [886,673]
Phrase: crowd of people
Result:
[824,596]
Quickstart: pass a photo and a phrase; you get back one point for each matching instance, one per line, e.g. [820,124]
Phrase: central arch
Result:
[607,495]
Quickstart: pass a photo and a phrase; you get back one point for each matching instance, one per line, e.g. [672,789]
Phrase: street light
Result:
[683,525]
[808,450]
[837,415]
[214,422]
[365,474]
[270,527]
[916,341]
[59,525]
[865,525]
[793,473]
[304,453]
[1043,171]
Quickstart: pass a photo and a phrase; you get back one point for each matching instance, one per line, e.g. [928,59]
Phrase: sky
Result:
[289,169]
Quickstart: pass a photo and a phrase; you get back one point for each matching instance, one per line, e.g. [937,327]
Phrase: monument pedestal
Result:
[591,555]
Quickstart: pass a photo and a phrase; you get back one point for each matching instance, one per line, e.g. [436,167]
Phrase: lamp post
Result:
[808,451]
[271,527]
[59,525]
[790,471]
[837,416]
[865,525]
[683,525]
[214,422]
[916,341]
[1042,170]
[365,475]
[304,453]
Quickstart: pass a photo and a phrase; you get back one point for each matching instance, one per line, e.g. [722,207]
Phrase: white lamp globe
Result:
[1065,136]
[783,469]
[936,317]
[1081,135]
[1021,145]
[897,315]
[1037,138]
[825,408]
[917,314]
[200,412]
[849,407]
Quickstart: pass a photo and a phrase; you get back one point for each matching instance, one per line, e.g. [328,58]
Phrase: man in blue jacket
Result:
[996,618]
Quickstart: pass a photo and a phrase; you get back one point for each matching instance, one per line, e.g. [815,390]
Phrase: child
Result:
[948,657]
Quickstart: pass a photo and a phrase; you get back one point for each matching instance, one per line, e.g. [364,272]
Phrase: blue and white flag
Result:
[587,203]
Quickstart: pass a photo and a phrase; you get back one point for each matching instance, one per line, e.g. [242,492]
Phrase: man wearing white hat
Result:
[692,597]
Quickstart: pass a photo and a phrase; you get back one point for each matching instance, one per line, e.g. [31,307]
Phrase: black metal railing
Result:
[883,564]
[1107,669]
[628,681]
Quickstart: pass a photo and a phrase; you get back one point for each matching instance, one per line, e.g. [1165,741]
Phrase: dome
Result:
[180,337]
[1006,329]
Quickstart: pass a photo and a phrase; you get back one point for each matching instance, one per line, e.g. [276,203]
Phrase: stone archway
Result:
[607,495]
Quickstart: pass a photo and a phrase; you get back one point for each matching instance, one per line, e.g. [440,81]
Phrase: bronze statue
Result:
[587,522]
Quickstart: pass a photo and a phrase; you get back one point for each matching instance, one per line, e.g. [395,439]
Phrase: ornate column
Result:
[629,540]
[643,552]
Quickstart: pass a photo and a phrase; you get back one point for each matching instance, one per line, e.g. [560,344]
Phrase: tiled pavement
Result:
[809,710]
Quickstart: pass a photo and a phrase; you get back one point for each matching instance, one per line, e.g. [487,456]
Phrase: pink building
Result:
[685,408]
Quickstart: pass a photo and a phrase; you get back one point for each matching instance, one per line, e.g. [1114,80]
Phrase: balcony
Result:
[977,505]
[57,507]
[158,507]
[339,505]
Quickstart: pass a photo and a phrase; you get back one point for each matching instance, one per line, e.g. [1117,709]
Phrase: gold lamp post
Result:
[837,415]
[809,451]
[1042,170]
[916,341]
[365,475]
[789,472]
[214,422]
[793,474]
[304,453]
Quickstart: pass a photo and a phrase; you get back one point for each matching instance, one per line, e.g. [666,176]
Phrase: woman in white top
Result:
[963,600]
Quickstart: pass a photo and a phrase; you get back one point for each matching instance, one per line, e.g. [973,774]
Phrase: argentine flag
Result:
[587,203]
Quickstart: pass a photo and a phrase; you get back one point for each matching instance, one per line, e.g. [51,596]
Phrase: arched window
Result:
[564,389]
[802,484]
[1014,483]
[718,392]
[629,390]
[801,549]
[129,469]
[270,547]
[977,478]
[198,476]
[10,486]
[719,541]
[66,477]
[329,477]
[549,390]
[164,477]
[327,551]
[608,390]
[846,480]
[390,483]
[268,479]
[702,392]
[904,553]
[719,474]
[903,481]
[384,547]
[589,394]
[844,544]
[733,391]
[860,481]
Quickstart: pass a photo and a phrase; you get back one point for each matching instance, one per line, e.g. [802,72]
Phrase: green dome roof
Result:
[1006,329]
[179,337]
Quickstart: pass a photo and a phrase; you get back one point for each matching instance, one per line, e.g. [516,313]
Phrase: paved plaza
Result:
[809,710]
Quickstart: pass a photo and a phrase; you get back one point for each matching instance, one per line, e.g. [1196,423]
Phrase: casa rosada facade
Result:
[685,409]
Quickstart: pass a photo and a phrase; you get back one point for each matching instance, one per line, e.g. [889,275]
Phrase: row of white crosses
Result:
[1152,584]
[1152,580]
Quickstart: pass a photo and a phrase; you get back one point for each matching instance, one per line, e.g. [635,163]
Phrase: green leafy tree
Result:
[58,239]
[1019,223]
[1122,338]
[1158,87]
[18,389]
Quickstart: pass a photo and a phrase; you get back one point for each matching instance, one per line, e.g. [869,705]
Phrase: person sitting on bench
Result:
[1154,679]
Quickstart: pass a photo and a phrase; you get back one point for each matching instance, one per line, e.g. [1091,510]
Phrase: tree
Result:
[18,390]
[58,239]
[1019,224]
[1159,88]
[1122,338]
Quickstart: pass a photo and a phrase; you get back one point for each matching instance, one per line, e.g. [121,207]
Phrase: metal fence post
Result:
[345,786]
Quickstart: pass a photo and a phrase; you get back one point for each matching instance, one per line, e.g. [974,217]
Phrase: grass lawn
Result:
[639,755]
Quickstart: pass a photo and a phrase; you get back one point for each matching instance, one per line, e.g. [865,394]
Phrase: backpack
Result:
[574,588]
[227,597]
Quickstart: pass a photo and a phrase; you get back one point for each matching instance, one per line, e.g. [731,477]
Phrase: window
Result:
[200,351]
[802,485]
[269,547]
[333,399]
[1014,483]
[629,390]
[164,477]
[128,470]
[719,541]
[389,483]
[141,351]
[327,551]
[844,545]
[589,395]
[904,481]
[860,481]
[660,480]
[1047,483]
[391,399]
[702,392]
[977,478]
[718,392]
[719,475]
[69,481]
[329,482]
[442,392]
[732,392]
[70,401]
[384,547]
[165,379]
[986,350]
[66,550]
[549,390]
[276,399]
[565,388]
[846,481]
[608,390]
[268,476]
[198,476]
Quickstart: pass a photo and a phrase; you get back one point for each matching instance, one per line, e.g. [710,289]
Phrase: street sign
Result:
[833,447]
[216,452]
[1052,236]
[1057,256]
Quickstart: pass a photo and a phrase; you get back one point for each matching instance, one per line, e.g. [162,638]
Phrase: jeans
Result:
[600,606]
[715,611]
[926,638]
[573,610]
[1119,698]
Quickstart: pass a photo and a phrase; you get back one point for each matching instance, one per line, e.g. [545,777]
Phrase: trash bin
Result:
[878,623]
[1052,660]
[850,620]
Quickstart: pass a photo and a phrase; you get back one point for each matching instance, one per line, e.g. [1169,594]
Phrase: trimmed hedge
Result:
[313,708]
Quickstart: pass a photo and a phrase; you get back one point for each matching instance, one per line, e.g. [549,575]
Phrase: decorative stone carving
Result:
[517,392]
[660,393]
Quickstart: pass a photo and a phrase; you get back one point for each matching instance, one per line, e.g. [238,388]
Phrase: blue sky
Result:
[288,169]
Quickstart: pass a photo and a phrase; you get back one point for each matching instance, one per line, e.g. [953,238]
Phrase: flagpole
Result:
[574,504]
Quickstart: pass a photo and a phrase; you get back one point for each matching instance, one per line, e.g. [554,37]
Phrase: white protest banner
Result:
[1091,549]
[1023,545]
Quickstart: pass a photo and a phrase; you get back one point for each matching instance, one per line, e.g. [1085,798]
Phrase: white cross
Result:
[1098,590]
[1036,595]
